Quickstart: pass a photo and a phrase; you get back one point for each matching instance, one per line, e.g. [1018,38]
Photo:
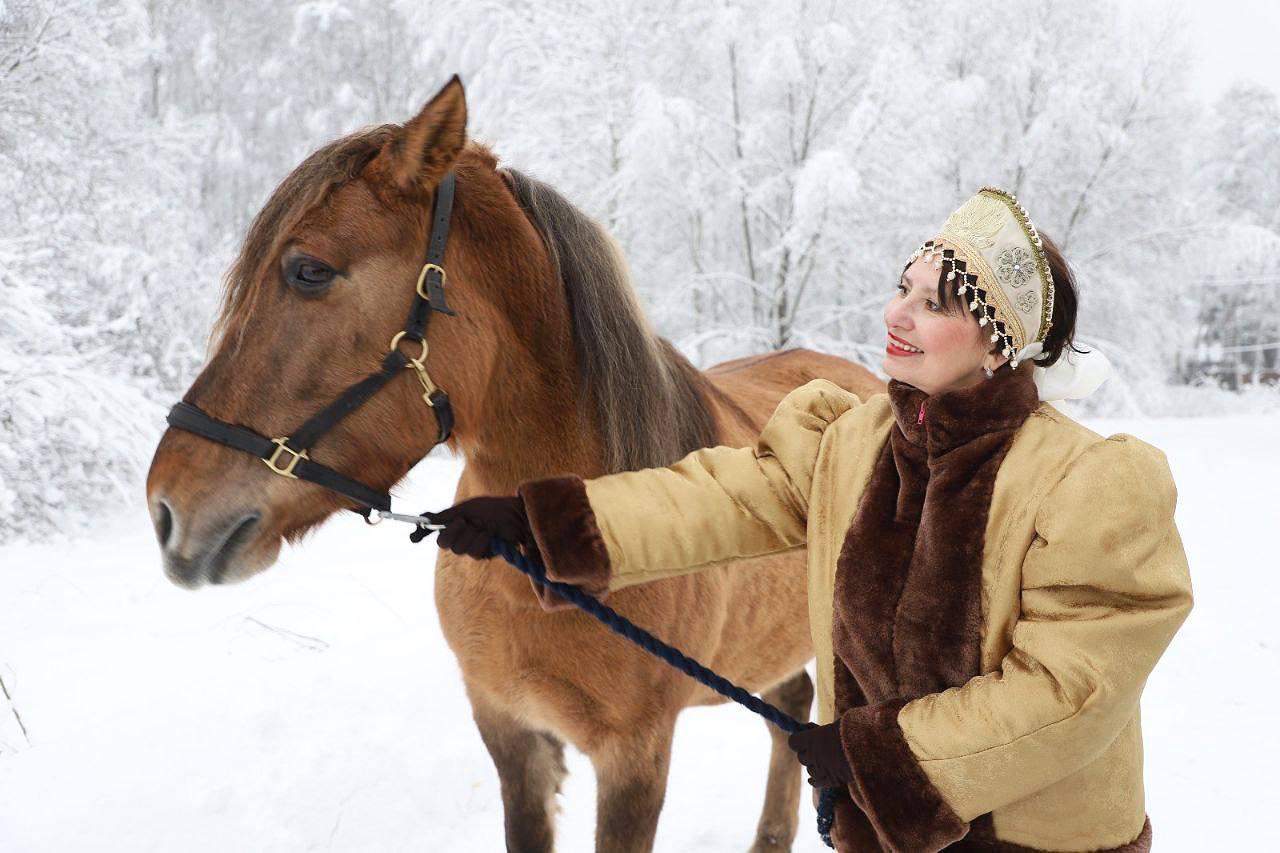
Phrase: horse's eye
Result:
[309,275]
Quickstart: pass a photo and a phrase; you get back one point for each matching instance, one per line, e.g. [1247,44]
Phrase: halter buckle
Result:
[422,279]
[272,461]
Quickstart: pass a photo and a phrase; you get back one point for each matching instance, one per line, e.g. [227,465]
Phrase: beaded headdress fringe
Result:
[1014,265]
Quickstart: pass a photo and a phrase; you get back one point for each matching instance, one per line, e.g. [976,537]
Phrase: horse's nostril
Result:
[239,533]
[164,523]
[196,551]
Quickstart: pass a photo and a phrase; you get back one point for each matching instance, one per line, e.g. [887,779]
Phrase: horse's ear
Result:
[431,141]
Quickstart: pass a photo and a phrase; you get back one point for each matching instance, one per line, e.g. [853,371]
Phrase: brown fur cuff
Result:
[564,526]
[988,843]
[906,810]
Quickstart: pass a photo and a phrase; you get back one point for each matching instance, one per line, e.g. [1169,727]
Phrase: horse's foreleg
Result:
[778,818]
[631,782]
[530,767]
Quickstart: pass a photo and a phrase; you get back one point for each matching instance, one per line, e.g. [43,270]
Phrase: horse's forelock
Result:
[308,185]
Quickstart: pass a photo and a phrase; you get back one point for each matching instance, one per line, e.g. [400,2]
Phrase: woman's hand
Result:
[470,524]
[820,751]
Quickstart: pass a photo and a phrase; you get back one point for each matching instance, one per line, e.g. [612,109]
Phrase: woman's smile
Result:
[897,346]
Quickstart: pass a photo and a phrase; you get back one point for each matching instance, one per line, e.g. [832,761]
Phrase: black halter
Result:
[287,455]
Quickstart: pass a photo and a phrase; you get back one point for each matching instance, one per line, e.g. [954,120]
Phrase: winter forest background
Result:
[767,167]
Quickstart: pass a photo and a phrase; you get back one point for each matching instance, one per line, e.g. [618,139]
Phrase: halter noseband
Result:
[287,455]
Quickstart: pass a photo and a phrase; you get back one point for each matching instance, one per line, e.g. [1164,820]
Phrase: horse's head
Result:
[323,282]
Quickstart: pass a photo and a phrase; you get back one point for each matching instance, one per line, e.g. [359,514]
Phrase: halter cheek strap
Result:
[287,455]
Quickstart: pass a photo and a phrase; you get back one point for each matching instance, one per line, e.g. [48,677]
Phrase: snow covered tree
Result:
[93,257]
[767,167]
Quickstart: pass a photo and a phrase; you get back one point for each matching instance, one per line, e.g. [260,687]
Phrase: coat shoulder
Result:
[1057,447]
[1063,427]
[823,405]
[1048,441]
[874,417]
[1073,438]
[822,398]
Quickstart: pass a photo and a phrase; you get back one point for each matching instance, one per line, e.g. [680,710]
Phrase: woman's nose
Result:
[895,315]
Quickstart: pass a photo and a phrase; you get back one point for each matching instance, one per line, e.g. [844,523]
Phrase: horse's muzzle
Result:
[212,555]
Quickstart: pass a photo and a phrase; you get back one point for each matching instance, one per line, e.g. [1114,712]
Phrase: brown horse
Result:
[552,368]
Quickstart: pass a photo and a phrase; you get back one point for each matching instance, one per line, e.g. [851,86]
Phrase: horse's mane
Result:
[646,395]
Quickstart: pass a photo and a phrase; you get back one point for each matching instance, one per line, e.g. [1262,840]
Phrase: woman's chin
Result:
[894,367]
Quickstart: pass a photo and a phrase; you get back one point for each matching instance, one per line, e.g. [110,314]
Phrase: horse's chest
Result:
[493,641]
[531,664]
[478,628]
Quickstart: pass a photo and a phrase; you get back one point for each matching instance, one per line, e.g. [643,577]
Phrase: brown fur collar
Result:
[907,615]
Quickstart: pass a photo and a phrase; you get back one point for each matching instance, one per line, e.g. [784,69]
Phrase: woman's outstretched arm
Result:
[715,504]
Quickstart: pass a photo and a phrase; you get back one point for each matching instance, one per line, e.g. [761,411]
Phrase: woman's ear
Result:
[994,359]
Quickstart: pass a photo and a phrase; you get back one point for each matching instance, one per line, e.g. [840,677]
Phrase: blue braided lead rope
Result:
[690,667]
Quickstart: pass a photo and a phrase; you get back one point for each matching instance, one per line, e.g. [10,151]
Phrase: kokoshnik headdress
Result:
[993,255]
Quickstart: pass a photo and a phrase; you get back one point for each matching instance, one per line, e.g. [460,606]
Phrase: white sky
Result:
[1232,39]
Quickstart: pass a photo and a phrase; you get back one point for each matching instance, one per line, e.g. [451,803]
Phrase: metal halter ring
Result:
[422,279]
[420,361]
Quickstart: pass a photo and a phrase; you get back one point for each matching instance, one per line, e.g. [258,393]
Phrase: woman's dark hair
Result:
[1063,331]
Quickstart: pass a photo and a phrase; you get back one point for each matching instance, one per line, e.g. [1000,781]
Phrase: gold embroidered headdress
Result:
[994,254]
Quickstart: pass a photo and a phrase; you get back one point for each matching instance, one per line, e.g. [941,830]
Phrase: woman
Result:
[990,583]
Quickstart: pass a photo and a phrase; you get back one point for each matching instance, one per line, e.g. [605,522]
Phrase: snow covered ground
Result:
[317,707]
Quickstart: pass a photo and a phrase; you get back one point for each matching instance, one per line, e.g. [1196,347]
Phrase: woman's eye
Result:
[933,306]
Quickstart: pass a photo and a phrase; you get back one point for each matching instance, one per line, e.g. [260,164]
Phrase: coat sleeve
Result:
[715,504]
[1105,585]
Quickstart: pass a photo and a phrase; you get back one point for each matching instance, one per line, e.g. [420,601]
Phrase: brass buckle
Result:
[422,279]
[281,447]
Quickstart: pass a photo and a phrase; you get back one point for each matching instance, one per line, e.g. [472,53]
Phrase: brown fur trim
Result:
[889,786]
[991,844]
[907,617]
[907,612]
[852,832]
[564,526]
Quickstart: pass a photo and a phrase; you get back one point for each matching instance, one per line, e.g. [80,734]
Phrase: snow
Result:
[317,707]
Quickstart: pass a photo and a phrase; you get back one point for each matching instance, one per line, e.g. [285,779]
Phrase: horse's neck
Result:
[489,474]
[552,443]
[530,421]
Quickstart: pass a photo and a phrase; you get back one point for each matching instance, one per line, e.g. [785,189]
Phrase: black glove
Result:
[820,751]
[470,524]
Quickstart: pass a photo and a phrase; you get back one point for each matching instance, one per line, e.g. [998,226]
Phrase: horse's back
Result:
[756,383]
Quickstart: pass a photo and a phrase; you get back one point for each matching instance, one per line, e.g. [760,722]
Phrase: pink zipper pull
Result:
[920,419]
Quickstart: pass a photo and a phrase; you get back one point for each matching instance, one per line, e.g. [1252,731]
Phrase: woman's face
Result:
[953,346]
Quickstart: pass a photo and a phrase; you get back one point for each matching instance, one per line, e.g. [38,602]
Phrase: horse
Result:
[552,367]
